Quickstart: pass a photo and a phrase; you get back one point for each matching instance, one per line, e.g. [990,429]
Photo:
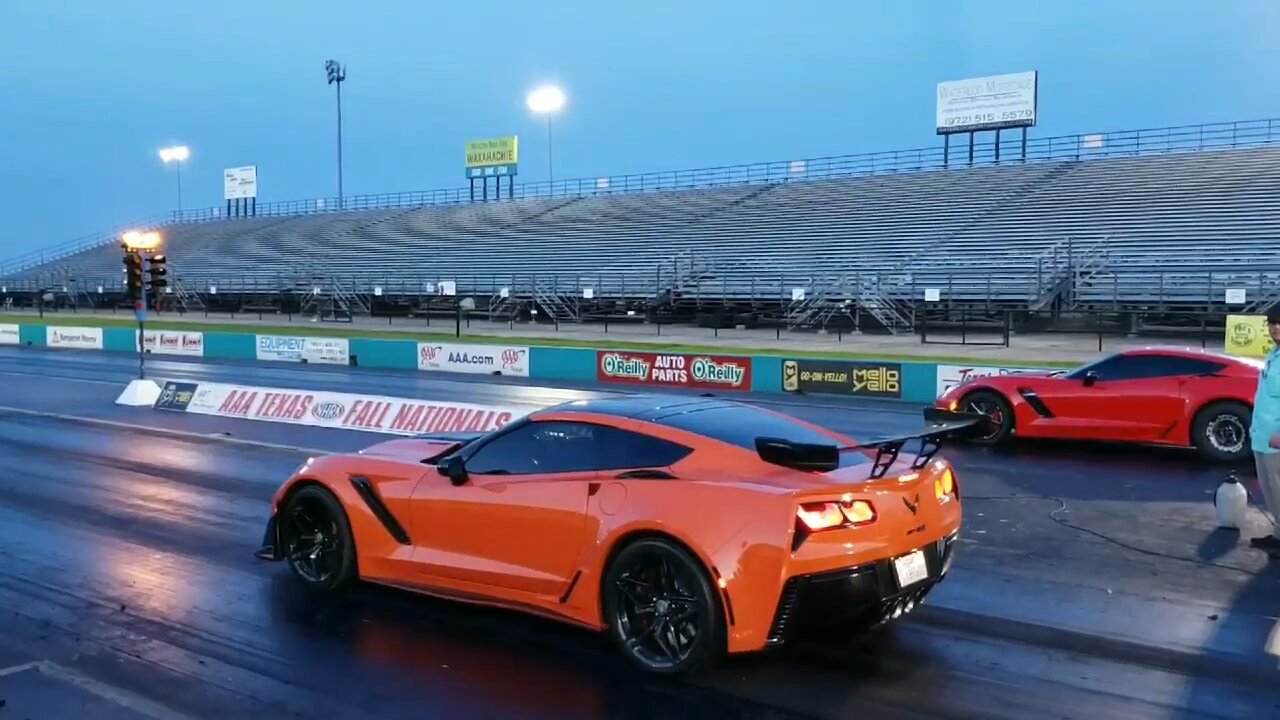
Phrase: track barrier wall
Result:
[726,374]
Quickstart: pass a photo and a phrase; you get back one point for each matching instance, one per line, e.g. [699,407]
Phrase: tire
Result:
[636,591]
[998,412]
[308,511]
[1220,431]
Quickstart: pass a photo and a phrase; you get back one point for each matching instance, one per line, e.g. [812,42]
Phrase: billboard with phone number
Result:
[674,370]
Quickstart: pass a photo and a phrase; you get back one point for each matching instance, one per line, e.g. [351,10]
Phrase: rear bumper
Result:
[271,547]
[867,594]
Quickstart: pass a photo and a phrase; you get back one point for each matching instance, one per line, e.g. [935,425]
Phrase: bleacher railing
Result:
[1085,146]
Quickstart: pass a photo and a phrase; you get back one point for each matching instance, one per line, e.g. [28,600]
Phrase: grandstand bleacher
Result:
[1156,227]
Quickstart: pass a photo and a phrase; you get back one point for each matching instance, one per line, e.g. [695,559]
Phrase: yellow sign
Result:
[1247,336]
[493,152]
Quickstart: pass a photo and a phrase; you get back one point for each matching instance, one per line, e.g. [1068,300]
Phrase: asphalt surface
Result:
[1090,583]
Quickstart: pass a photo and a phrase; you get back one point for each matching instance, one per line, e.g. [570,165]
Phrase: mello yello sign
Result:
[710,372]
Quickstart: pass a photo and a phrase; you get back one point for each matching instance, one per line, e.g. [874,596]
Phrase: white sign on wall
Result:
[1236,296]
[486,359]
[9,334]
[81,338]
[172,342]
[240,182]
[987,103]
[286,348]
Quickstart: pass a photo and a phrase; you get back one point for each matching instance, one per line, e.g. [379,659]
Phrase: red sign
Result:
[709,372]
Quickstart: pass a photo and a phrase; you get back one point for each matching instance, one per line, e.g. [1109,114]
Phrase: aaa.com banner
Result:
[486,359]
[711,372]
[1247,336]
[340,411]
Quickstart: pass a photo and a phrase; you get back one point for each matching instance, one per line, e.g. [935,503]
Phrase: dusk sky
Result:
[93,88]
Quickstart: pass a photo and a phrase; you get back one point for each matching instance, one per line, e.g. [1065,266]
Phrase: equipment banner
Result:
[322,350]
[711,372]
[169,342]
[843,377]
[81,338]
[476,359]
[9,334]
[1247,336]
[340,411]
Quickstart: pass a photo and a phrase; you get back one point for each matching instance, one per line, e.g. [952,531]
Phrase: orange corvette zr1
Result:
[686,527]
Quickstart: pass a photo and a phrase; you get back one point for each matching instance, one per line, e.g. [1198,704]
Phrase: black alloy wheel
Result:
[662,609]
[999,416]
[317,539]
[1221,431]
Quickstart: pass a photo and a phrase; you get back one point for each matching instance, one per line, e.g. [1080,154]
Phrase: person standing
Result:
[1265,435]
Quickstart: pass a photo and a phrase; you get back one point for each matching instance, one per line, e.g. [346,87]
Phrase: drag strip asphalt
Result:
[1087,585]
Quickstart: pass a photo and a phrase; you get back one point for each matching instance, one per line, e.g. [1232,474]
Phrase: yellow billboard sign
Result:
[502,152]
[1247,336]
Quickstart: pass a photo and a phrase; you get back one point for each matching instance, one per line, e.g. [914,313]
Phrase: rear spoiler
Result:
[818,457]
[456,440]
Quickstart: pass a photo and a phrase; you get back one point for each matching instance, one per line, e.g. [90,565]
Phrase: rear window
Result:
[741,426]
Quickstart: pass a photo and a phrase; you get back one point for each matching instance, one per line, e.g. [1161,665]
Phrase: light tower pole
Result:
[337,74]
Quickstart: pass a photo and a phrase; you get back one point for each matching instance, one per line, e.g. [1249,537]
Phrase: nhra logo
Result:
[328,410]
[707,370]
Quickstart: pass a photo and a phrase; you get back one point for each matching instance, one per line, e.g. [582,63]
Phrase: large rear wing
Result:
[820,457]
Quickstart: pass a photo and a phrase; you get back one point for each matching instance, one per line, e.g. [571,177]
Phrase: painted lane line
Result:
[111,693]
[15,669]
[163,432]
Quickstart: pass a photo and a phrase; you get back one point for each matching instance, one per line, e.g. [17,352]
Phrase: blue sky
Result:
[93,89]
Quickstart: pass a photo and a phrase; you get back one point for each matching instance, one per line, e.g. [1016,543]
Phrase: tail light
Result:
[945,486]
[827,515]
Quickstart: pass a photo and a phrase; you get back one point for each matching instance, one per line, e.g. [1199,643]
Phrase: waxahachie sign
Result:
[711,372]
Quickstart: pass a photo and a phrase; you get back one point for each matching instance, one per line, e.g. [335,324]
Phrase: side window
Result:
[1137,367]
[555,447]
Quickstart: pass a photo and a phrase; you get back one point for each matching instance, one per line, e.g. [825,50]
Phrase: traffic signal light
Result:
[133,273]
[157,282]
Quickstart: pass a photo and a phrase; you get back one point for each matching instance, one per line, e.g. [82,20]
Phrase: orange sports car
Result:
[686,527]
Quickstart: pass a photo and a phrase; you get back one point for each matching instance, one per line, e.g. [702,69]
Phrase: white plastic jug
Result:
[1230,502]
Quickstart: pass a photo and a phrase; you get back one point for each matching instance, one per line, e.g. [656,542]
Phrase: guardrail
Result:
[1083,146]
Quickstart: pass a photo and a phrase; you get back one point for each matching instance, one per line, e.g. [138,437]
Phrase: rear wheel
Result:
[999,416]
[1221,431]
[662,609]
[317,539]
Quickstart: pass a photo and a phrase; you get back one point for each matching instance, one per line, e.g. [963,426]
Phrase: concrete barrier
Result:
[728,372]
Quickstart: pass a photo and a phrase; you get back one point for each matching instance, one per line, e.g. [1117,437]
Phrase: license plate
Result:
[910,569]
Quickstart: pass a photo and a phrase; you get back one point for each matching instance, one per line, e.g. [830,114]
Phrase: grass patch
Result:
[655,345]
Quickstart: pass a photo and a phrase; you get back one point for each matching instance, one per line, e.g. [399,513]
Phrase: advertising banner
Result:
[950,376]
[476,359]
[708,372]
[1247,336]
[176,396]
[240,182]
[494,156]
[172,342]
[340,411]
[843,377]
[987,103]
[80,338]
[288,348]
[9,334]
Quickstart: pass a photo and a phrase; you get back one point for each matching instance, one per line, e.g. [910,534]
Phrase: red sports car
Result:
[1160,396]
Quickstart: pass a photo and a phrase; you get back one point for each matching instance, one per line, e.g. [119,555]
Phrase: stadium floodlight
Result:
[177,155]
[547,100]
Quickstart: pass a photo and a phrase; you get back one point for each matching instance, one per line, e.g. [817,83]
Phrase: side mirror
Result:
[1090,378]
[453,468]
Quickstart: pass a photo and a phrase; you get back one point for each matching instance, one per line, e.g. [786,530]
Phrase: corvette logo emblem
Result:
[912,505]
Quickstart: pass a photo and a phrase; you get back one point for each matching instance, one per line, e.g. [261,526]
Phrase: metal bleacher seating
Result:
[1140,226]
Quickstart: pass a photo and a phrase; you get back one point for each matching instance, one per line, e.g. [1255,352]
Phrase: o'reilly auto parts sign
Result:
[475,359]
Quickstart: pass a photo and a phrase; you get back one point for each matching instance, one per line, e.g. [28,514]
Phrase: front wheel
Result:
[317,540]
[1221,431]
[999,425]
[662,609]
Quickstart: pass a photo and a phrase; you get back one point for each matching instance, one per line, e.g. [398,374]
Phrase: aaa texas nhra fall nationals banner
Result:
[340,411]
[707,372]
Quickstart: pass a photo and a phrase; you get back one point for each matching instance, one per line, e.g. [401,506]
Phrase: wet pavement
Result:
[1090,583]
